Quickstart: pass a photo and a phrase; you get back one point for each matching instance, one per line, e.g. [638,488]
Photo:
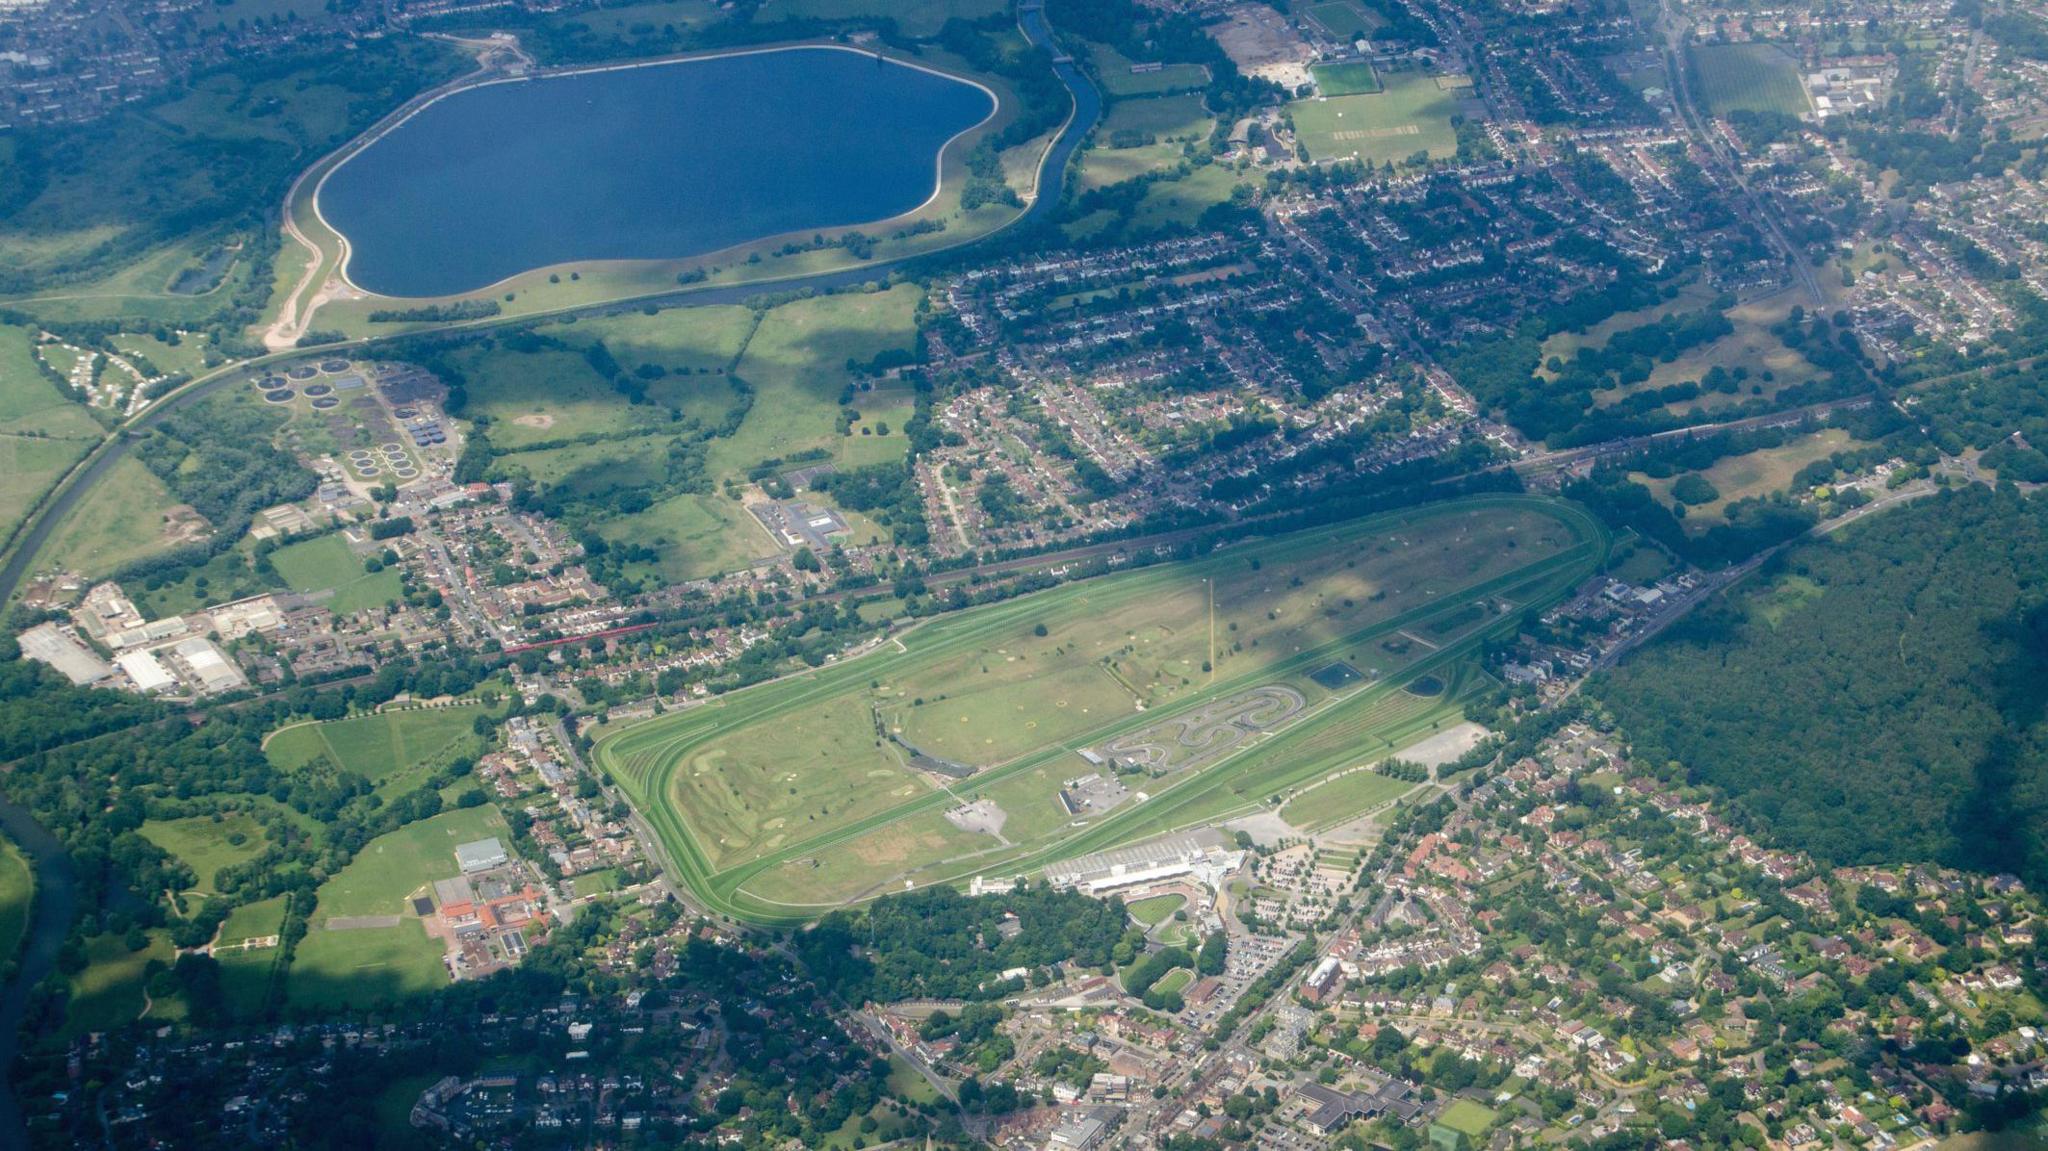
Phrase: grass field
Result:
[109,993]
[332,970]
[394,865]
[1351,78]
[370,965]
[254,920]
[1344,19]
[1752,77]
[1468,1118]
[1119,81]
[1411,115]
[796,364]
[42,431]
[17,897]
[206,844]
[394,750]
[1751,475]
[119,521]
[1154,911]
[1329,804]
[794,794]
[320,564]
[1180,117]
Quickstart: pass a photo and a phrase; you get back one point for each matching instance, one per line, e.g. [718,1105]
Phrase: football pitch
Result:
[1412,114]
[949,751]
[1749,77]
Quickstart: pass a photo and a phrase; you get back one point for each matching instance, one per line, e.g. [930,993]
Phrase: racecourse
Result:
[780,801]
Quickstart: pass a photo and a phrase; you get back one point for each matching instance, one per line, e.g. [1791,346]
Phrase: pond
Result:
[660,161]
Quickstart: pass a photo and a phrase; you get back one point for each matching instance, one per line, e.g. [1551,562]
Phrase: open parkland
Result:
[780,801]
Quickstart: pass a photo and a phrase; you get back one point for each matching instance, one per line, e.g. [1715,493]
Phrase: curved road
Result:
[1052,169]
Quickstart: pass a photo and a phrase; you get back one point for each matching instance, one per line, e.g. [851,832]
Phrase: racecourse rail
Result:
[643,758]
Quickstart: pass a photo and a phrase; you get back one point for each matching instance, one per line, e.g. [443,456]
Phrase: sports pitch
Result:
[781,801]
[1413,114]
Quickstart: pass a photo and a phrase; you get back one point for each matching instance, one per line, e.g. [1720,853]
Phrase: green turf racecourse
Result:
[901,809]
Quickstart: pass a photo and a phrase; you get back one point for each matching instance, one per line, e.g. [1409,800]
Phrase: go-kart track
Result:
[1196,738]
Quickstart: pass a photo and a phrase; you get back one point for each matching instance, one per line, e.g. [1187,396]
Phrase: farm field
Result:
[795,362]
[922,19]
[1751,475]
[782,798]
[324,563]
[1413,114]
[1748,77]
[394,750]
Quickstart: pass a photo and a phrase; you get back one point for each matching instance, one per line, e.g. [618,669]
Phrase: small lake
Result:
[659,162]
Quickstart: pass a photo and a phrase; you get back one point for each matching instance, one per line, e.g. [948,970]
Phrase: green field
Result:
[1344,19]
[394,865]
[254,920]
[1751,475]
[109,993]
[1167,117]
[394,750]
[1350,78]
[336,968]
[206,843]
[1748,77]
[1326,805]
[42,431]
[1119,81]
[120,520]
[320,564]
[333,970]
[1413,114]
[17,898]
[796,364]
[1153,912]
[1468,1118]
[785,798]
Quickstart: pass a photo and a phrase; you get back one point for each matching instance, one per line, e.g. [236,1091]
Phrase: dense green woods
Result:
[1875,696]
[938,943]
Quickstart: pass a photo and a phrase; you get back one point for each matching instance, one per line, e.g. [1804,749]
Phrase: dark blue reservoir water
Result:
[660,162]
